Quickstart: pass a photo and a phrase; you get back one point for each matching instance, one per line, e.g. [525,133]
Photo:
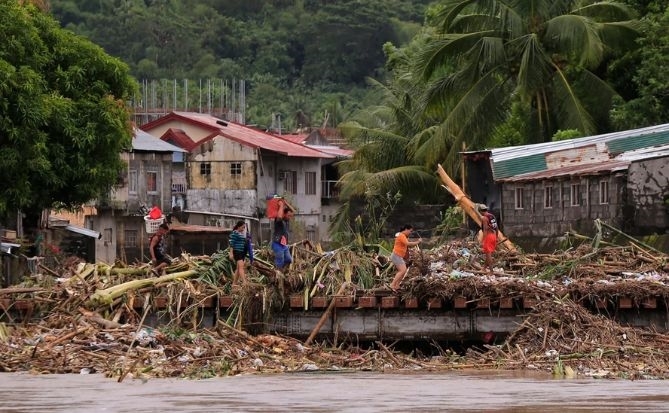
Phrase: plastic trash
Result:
[145,337]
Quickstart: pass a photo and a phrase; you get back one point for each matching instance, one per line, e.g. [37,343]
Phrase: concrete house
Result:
[147,182]
[232,169]
[328,141]
[548,189]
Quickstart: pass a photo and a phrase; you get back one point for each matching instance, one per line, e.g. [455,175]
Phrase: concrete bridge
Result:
[369,317]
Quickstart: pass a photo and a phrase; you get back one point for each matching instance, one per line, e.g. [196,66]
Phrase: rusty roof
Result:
[198,228]
[295,137]
[598,168]
[240,133]
[179,138]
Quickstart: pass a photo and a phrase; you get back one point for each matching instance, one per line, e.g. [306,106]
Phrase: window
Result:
[325,218]
[130,237]
[107,235]
[205,168]
[152,182]
[290,181]
[575,194]
[132,181]
[310,183]
[519,198]
[236,169]
[603,192]
[311,235]
[548,197]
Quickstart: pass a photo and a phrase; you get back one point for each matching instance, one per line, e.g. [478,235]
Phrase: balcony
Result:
[178,188]
[329,190]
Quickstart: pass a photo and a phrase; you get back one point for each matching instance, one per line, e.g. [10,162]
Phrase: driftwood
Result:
[325,315]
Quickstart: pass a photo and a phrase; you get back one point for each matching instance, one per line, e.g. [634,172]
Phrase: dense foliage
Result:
[445,76]
[297,56]
[63,120]
[484,74]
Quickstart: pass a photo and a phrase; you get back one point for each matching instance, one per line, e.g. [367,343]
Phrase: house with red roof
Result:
[232,169]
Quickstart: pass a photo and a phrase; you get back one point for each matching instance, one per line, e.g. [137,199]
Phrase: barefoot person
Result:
[238,252]
[489,240]
[399,254]
[159,257]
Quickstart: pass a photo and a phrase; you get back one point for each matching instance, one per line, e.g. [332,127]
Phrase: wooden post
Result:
[325,315]
[468,206]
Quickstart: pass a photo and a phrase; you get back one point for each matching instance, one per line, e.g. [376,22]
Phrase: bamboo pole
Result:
[325,315]
[630,238]
[468,206]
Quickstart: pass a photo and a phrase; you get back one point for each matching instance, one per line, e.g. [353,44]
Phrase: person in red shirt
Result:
[400,253]
[489,240]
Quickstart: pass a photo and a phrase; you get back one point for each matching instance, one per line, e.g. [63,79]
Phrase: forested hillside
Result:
[297,56]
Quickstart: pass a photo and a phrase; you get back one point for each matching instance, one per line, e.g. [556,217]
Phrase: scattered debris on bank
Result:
[86,318]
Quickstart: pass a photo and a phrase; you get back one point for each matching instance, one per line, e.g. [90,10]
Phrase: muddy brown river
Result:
[331,392]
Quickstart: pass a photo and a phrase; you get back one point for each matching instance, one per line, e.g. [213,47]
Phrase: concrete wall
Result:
[648,186]
[141,163]
[264,173]
[194,131]
[123,238]
[536,219]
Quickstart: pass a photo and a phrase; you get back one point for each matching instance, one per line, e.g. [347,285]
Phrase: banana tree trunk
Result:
[106,296]
[468,206]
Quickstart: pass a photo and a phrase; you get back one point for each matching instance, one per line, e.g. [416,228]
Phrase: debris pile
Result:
[563,336]
[90,317]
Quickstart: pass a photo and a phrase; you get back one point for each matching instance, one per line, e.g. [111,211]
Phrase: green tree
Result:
[63,120]
[490,54]
[643,74]
[383,162]
[343,42]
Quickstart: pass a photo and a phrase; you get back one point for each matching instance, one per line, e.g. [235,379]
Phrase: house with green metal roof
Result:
[548,189]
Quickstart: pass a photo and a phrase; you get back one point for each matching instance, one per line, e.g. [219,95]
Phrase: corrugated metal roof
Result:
[518,165]
[198,229]
[572,170]
[334,150]
[642,141]
[515,160]
[295,137]
[84,231]
[645,153]
[242,134]
[142,141]
[179,138]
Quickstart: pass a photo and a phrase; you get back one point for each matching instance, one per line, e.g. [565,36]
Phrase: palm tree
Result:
[492,54]
[383,164]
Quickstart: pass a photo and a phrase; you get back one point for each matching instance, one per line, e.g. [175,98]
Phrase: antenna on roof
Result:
[222,122]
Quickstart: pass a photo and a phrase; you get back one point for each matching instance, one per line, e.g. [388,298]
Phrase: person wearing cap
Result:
[489,239]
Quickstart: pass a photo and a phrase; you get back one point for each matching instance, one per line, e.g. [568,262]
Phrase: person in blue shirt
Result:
[238,251]
[282,257]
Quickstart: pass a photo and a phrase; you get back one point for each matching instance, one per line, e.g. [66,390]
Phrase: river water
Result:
[331,392]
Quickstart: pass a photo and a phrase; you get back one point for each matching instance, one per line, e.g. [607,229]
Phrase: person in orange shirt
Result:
[489,240]
[399,254]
